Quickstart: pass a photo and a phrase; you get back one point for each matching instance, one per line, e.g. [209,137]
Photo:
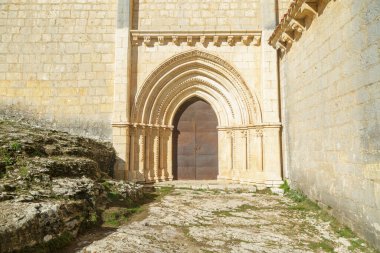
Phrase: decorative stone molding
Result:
[299,17]
[161,40]
[230,40]
[202,39]
[189,40]
[148,38]
[175,39]
[172,74]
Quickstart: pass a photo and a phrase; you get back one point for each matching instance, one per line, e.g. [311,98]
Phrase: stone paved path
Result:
[217,221]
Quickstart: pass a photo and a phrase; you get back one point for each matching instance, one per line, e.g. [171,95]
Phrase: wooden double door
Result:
[195,142]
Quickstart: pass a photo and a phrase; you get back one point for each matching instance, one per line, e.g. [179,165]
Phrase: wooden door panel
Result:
[195,142]
[206,173]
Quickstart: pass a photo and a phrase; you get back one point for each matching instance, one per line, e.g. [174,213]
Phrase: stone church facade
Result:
[216,56]
[249,91]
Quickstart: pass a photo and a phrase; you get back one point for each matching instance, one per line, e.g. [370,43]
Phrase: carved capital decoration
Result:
[294,22]
[256,40]
[230,40]
[215,40]
[259,132]
[189,40]
[161,40]
[147,40]
[245,40]
[175,40]
[202,39]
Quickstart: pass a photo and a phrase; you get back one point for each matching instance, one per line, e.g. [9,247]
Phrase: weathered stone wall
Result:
[196,15]
[57,63]
[331,101]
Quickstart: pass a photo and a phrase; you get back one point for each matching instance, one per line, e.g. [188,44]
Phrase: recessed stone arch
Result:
[204,73]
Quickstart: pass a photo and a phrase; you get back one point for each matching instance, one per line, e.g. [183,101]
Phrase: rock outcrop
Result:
[52,185]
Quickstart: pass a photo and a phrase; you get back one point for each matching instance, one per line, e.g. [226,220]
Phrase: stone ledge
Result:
[296,20]
[149,38]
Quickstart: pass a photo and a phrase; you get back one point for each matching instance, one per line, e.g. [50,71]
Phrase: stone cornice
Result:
[148,38]
[295,21]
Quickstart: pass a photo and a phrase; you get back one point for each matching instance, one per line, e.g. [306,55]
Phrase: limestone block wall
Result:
[57,63]
[331,112]
[196,15]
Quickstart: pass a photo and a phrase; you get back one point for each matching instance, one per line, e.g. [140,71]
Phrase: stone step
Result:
[207,185]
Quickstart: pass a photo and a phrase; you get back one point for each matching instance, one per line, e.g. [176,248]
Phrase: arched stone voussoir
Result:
[218,97]
[217,105]
[205,74]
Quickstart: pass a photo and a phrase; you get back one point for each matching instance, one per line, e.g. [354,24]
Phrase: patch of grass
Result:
[120,211]
[165,190]
[15,146]
[245,207]
[199,189]
[23,171]
[295,195]
[116,216]
[302,202]
[357,244]
[222,213]
[265,191]
[6,158]
[107,185]
[114,196]
[325,245]
[305,205]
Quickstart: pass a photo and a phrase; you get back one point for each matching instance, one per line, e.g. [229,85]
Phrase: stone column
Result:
[236,155]
[150,152]
[224,154]
[163,146]
[240,154]
[169,155]
[121,111]
[255,157]
[132,167]
[156,153]
[141,155]
[272,155]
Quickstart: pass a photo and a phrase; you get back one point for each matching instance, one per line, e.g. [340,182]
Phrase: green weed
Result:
[23,171]
[325,245]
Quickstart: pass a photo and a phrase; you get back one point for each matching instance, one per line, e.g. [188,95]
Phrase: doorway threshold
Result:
[207,185]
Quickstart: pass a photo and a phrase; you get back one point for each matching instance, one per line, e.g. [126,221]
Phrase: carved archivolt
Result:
[195,73]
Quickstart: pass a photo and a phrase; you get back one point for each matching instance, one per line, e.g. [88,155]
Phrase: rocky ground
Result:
[52,186]
[56,190]
[188,220]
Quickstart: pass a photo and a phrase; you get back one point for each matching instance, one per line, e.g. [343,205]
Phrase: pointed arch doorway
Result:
[195,141]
